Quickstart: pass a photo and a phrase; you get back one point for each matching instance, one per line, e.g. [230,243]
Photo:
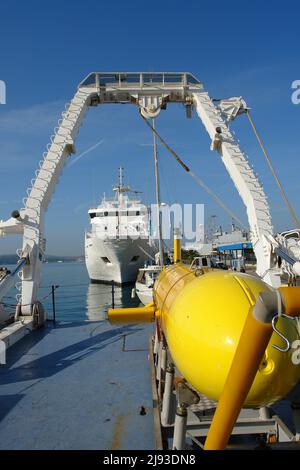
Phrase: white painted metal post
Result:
[179,438]
[164,358]
[156,343]
[158,366]
[264,413]
[166,417]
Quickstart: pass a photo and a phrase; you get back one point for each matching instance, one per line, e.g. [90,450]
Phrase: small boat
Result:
[145,282]
[148,275]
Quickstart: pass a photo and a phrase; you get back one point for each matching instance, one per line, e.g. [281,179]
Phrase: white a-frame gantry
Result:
[150,92]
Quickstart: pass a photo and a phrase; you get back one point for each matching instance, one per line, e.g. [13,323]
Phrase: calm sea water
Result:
[76,298]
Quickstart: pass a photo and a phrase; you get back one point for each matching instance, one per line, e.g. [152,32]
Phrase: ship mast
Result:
[158,202]
[121,177]
[119,189]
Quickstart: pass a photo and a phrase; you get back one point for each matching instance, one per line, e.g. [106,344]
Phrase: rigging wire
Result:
[270,164]
[146,253]
[66,285]
[217,199]
[196,178]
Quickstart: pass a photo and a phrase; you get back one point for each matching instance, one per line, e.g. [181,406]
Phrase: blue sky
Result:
[236,48]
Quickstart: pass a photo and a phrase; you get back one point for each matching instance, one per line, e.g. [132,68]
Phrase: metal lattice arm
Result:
[39,195]
[245,181]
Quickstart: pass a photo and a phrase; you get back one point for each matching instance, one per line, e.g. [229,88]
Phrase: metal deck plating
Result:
[68,387]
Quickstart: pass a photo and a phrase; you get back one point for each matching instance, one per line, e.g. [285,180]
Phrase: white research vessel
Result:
[118,243]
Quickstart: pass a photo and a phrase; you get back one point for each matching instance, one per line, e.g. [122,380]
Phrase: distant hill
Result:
[12,259]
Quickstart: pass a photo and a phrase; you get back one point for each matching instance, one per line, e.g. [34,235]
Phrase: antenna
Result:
[158,201]
[121,170]
[212,224]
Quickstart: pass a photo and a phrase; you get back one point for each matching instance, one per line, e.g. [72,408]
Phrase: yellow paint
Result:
[247,358]
[132,315]
[291,300]
[177,250]
[250,356]
[203,317]
[202,314]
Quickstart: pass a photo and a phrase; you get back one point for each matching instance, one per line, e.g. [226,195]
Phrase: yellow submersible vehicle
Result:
[217,326]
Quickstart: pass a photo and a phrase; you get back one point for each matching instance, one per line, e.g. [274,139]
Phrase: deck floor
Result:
[78,385]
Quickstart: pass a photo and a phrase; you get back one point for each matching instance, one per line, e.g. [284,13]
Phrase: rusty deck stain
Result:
[118,432]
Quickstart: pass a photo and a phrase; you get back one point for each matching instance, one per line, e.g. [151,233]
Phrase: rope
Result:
[217,199]
[62,298]
[270,164]
[146,253]
[66,285]
[26,305]
[195,177]
[184,166]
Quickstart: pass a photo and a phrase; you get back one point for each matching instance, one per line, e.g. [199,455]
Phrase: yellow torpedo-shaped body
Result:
[202,317]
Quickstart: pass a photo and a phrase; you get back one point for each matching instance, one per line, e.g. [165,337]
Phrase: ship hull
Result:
[116,260]
[144,293]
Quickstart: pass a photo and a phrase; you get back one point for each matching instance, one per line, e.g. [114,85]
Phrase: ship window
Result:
[132,78]
[105,214]
[133,213]
[134,259]
[105,259]
[153,78]
[92,215]
[173,78]
[204,261]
